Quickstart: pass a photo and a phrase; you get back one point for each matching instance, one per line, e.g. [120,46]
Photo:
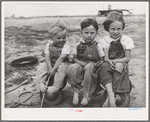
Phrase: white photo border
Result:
[73,113]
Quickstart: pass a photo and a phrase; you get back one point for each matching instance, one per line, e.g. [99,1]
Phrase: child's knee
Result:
[62,66]
[105,65]
[89,66]
[119,67]
[74,67]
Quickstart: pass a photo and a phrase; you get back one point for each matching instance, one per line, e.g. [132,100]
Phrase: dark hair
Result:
[87,22]
[111,17]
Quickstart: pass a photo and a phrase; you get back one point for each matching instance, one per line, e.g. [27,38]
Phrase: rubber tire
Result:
[50,103]
[125,101]
[31,60]
[60,94]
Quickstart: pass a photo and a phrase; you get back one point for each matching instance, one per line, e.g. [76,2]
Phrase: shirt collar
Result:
[111,39]
[84,41]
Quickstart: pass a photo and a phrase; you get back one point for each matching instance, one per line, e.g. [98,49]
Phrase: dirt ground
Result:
[20,47]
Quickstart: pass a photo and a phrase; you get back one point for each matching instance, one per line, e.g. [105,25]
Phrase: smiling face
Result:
[89,33]
[59,40]
[115,29]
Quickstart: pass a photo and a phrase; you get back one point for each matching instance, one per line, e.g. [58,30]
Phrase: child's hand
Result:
[97,64]
[43,88]
[115,61]
[111,63]
[51,73]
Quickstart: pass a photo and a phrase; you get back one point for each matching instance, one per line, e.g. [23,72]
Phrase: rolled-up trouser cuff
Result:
[76,90]
[105,73]
[106,82]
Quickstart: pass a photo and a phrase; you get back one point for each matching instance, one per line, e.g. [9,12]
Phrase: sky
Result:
[29,9]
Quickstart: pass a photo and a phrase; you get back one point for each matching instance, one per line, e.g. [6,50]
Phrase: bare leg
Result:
[75,78]
[75,98]
[105,103]
[52,89]
[84,101]
[111,97]
[90,83]
[76,95]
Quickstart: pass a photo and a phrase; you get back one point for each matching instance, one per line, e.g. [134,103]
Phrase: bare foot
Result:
[43,88]
[52,89]
[75,98]
[105,103]
[84,101]
[112,101]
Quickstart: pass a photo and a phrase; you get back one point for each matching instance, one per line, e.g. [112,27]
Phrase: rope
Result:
[17,86]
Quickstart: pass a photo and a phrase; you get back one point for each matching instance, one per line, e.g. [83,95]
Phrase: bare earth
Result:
[20,42]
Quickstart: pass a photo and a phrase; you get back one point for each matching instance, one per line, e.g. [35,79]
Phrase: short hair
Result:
[56,28]
[87,22]
[111,17]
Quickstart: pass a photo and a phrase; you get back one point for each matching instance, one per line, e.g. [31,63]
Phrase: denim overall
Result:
[81,77]
[120,81]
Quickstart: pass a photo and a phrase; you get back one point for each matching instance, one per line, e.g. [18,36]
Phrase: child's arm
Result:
[47,57]
[106,59]
[98,63]
[128,44]
[58,62]
[101,55]
[125,59]
[83,64]
[112,62]
[48,61]
[42,85]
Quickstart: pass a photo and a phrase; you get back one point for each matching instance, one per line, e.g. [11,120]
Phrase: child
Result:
[87,54]
[56,52]
[117,49]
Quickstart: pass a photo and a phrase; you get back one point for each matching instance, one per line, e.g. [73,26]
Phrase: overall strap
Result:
[87,52]
[54,53]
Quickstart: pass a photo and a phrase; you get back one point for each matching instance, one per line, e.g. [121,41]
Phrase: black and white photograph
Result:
[71,60]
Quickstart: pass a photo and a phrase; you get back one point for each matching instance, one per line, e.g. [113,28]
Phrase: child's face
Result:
[59,39]
[115,29]
[89,33]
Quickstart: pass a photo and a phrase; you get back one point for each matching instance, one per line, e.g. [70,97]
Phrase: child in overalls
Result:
[87,55]
[117,48]
[55,65]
